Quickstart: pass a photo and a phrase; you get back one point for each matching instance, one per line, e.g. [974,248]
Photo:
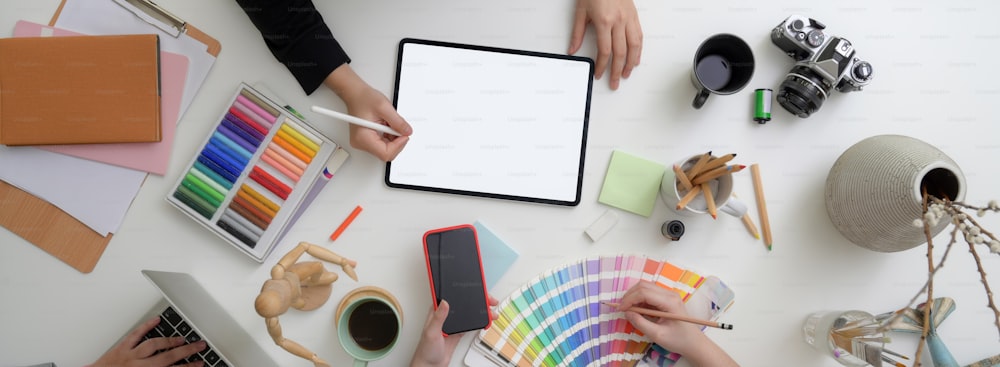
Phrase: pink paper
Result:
[149,157]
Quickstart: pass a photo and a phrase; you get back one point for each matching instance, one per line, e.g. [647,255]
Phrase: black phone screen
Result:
[456,274]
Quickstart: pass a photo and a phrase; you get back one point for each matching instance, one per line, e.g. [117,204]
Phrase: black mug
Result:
[722,65]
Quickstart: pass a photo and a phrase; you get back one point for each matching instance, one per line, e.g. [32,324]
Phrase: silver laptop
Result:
[188,310]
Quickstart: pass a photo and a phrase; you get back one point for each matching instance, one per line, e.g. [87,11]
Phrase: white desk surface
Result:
[935,80]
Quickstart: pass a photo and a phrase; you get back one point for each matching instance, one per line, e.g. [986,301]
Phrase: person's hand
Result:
[676,336]
[434,348]
[619,36]
[368,103]
[130,352]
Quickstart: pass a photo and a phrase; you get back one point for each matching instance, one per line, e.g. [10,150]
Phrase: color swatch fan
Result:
[557,319]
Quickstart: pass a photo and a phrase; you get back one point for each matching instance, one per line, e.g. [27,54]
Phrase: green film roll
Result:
[762,105]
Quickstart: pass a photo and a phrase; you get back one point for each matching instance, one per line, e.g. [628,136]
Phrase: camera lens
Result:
[802,92]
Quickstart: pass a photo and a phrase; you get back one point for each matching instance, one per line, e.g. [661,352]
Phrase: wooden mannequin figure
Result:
[301,285]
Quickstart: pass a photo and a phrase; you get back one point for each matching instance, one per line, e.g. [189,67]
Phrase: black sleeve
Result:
[297,36]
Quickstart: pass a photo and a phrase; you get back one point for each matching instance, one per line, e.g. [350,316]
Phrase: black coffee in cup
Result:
[723,64]
[373,325]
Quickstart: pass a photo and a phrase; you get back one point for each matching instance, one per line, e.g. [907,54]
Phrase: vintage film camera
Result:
[822,62]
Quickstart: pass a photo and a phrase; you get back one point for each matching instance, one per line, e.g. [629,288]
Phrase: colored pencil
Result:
[269,159]
[270,182]
[261,199]
[697,167]
[288,156]
[243,201]
[281,142]
[706,176]
[248,121]
[671,316]
[259,102]
[688,197]
[709,200]
[347,222]
[257,109]
[718,162]
[263,121]
[242,210]
[309,143]
[203,189]
[747,222]
[244,126]
[682,178]
[222,181]
[296,143]
[758,188]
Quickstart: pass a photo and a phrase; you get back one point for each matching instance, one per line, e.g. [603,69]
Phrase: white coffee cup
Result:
[722,190]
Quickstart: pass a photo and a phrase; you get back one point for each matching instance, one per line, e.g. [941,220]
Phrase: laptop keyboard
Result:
[171,325]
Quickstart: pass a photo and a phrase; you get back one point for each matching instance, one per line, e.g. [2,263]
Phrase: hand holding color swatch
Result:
[558,319]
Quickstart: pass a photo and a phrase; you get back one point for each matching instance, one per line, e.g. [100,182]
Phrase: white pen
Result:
[356,120]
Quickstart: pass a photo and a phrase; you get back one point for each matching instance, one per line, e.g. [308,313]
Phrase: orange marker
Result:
[347,222]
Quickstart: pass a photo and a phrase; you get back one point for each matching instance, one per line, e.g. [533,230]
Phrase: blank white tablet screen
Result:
[492,123]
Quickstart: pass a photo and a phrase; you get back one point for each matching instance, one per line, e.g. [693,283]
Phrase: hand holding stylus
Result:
[367,103]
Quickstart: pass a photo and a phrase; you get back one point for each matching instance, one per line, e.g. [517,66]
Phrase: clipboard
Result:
[492,122]
[44,224]
[160,18]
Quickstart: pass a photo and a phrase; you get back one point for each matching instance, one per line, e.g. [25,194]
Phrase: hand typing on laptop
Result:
[134,351]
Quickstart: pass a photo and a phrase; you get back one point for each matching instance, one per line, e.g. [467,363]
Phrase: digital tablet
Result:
[492,122]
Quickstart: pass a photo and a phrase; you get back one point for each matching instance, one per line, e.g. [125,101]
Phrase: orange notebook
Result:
[79,90]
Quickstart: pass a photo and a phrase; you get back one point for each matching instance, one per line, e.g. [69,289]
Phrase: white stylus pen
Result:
[356,120]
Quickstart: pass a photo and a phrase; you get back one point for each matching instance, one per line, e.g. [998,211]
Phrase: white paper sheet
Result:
[107,17]
[96,194]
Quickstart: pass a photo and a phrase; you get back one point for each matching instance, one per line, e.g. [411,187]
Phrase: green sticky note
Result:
[632,183]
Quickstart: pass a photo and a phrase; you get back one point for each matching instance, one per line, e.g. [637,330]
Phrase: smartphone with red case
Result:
[455,273]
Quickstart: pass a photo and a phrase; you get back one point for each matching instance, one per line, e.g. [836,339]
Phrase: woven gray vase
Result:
[873,191]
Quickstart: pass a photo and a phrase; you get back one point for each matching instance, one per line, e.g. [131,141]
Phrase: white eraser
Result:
[602,225]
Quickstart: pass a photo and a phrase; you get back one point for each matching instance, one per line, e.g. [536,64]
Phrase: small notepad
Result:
[632,183]
[497,256]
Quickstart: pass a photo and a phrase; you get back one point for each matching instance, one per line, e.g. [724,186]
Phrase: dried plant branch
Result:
[986,284]
[898,313]
[973,233]
[930,287]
